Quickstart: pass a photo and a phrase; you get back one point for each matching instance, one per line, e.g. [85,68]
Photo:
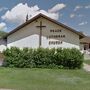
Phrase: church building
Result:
[85,44]
[42,31]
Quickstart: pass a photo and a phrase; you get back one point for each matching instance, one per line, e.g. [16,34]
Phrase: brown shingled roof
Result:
[85,39]
[46,17]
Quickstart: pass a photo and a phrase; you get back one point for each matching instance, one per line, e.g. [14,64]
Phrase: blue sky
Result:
[74,13]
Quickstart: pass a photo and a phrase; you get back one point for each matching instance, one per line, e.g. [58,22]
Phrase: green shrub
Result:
[43,58]
[14,57]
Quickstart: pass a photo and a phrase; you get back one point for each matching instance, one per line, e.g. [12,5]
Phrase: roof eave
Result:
[41,15]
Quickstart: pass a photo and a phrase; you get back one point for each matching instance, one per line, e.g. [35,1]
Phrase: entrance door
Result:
[86,46]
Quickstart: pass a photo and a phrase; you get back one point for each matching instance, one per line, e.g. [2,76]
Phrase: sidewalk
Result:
[86,67]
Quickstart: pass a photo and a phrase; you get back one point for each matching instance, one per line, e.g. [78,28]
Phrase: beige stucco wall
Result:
[81,46]
[28,36]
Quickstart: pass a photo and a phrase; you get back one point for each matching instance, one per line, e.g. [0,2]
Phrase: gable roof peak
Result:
[48,18]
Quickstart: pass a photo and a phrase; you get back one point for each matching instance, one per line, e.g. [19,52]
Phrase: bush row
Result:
[43,58]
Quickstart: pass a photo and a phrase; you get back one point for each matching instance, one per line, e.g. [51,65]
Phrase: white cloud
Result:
[18,13]
[56,8]
[87,7]
[3,8]
[3,26]
[72,15]
[83,23]
[78,7]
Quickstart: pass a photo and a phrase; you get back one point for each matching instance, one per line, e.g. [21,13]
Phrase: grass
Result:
[44,79]
[87,62]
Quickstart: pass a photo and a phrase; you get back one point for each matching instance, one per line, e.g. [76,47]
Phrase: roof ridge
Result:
[46,17]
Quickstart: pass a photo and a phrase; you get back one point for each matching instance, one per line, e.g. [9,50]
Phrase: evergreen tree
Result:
[2,34]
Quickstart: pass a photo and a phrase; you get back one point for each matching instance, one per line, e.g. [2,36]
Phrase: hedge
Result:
[43,58]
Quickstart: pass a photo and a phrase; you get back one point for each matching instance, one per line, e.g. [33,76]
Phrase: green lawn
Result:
[87,62]
[44,79]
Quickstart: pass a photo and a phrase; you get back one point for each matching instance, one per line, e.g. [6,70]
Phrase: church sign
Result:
[55,34]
